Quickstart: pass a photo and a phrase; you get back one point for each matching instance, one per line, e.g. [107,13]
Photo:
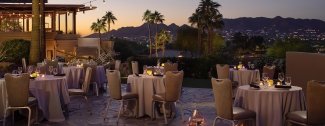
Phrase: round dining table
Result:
[146,86]
[51,93]
[244,76]
[269,103]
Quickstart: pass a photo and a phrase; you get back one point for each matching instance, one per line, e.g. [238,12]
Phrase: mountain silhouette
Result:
[278,24]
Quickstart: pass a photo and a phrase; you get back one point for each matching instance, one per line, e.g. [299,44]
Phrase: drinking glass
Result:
[265,77]
[281,77]
[288,80]
[252,66]
[50,69]
[20,70]
[55,71]
[30,69]
[38,70]
[249,65]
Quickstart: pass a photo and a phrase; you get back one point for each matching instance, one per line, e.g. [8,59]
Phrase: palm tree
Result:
[195,19]
[148,18]
[162,38]
[98,27]
[210,18]
[157,18]
[109,18]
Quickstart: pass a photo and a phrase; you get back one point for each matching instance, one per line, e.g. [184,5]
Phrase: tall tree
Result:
[157,18]
[162,39]
[210,20]
[98,27]
[195,19]
[148,18]
[109,18]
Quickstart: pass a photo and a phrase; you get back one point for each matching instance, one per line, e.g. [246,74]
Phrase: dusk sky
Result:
[129,12]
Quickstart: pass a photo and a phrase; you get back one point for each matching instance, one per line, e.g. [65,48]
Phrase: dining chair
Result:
[93,76]
[222,90]
[83,91]
[135,67]
[117,65]
[223,72]
[270,70]
[314,115]
[23,62]
[170,67]
[18,95]
[172,94]
[115,92]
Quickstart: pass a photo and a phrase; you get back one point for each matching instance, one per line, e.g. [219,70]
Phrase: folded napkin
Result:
[254,85]
[282,86]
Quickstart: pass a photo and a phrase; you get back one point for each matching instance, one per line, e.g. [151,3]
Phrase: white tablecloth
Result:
[74,76]
[3,97]
[271,104]
[145,86]
[244,76]
[100,76]
[51,92]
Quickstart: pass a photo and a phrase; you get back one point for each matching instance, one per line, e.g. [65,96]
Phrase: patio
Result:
[200,98]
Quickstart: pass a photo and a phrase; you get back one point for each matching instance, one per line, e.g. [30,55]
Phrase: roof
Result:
[60,8]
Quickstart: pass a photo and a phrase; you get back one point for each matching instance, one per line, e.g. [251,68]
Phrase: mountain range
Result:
[277,24]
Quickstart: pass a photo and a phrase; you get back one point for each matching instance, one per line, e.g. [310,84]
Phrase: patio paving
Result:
[200,98]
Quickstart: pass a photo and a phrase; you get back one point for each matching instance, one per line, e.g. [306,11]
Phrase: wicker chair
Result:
[315,106]
[18,95]
[85,87]
[173,87]
[223,102]
[115,92]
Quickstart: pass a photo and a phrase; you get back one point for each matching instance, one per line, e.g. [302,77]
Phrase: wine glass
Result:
[281,77]
[38,70]
[249,65]
[50,69]
[20,70]
[55,71]
[30,69]
[252,66]
[288,80]
[265,77]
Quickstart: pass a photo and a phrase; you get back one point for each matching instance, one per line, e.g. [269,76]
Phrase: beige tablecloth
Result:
[3,97]
[145,86]
[244,76]
[271,104]
[74,76]
[51,92]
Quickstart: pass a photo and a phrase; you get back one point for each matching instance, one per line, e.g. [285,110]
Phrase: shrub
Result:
[14,50]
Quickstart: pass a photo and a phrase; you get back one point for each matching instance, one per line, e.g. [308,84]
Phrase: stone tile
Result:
[192,98]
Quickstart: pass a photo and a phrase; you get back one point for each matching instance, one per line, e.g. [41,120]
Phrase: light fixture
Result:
[90,5]
[103,0]
[78,9]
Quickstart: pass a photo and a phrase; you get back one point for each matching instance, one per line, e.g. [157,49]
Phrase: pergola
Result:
[23,13]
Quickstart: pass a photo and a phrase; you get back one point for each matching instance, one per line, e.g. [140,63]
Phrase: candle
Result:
[270,83]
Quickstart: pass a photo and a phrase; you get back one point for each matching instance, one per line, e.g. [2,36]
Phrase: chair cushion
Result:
[126,95]
[298,116]
[159,97]
[76,92]
[239,113]
[32,100]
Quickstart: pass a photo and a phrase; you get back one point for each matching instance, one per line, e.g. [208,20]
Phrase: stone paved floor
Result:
[192,98]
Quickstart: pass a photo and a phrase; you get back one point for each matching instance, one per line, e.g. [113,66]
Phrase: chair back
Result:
[117,64]
[315,103]
[270,70]
[222,91]
[170,67]
[93,71]
[114,84]
[173,85]
[23,62]
[135,67]
[17,89]
[223,71]
[86,83]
